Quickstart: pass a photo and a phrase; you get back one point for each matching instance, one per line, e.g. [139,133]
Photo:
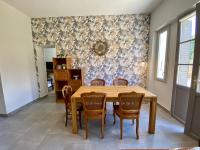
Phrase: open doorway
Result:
[44,68]
[49,53]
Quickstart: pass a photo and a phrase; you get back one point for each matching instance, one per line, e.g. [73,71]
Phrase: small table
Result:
[112,96]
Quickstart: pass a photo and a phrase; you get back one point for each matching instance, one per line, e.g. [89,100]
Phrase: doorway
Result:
[49,54]
[186,96]
[184,66]
[44,67]
[192,126]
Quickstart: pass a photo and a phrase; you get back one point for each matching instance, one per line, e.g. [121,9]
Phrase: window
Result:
[186,50]
[162,53]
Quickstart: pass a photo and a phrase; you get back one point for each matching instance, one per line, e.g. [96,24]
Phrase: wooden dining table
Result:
[112,96]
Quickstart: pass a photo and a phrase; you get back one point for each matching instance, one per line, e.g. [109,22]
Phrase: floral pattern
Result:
[127,37]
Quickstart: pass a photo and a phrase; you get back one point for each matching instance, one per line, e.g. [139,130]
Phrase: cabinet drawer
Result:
[61,75]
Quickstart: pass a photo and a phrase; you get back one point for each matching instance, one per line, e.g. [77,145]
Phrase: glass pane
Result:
[188,28]
[186,53]
[198,82]
[162,47]
[184,75]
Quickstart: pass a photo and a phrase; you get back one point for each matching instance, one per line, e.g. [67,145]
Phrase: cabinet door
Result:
[75,84]
[61,75]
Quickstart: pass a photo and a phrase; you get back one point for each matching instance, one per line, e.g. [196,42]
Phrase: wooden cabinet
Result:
[75,78]
[63,75]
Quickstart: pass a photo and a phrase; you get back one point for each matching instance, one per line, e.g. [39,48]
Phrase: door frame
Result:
[176,64]
[195,72]
[36,61]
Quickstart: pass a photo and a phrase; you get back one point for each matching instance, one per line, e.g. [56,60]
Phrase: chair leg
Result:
[102,128]
[121,128]
[80,119]
[105,115]
[86,128]
[113,113]
[114,118]
[105,119]
[137,127]
[133,121]
[66,119]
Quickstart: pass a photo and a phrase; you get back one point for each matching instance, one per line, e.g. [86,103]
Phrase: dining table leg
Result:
[74,116]
[152,115]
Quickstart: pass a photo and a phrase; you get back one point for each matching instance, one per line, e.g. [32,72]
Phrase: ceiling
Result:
[55,8]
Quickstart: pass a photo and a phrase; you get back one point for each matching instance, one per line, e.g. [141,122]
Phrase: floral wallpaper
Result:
[127,37]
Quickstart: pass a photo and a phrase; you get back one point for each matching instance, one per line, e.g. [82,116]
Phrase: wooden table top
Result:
[112,91]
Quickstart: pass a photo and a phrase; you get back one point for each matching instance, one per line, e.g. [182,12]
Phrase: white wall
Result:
[168,10]
[49,53]
[17,66]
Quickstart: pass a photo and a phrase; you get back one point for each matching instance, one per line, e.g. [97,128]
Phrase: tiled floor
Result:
[40,126]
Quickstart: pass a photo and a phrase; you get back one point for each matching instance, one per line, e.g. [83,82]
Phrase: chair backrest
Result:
[130,102]
[93,101]
[120,81]
[98,82]
[67,92]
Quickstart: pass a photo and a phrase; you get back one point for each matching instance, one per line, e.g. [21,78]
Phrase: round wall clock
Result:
[100,48]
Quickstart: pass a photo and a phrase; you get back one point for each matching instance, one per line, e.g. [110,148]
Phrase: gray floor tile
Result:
[41,126]
[25,145]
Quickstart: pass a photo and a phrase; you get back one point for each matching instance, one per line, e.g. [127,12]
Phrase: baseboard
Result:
[167,111]
[21,108]
[193,136]
[163,108]
[3,115]
[43,97]
[178,119]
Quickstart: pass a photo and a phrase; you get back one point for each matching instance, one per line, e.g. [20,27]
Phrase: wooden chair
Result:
[98,82]
[67,92]
[129,108]
[94,108]
[119,82]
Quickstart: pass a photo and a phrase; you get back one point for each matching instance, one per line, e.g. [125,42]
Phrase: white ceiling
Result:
[55,8]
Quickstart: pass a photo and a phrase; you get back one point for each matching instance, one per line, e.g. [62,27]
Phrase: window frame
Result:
[158,32]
